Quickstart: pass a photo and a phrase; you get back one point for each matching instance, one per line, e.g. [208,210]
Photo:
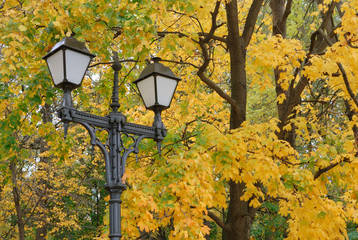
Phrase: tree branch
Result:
[346,82]
[326,169]
[251,20]
[302,83]
[107,63]
[180,62]
[349,42]
[216,38]
[219,91]
[341,68]
[163,33]
[217,220]
[327,16]
[207,36]
[326,38]
[287,10]
[212,85]
[214,26]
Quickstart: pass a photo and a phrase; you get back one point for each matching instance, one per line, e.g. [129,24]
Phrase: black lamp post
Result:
[68,61]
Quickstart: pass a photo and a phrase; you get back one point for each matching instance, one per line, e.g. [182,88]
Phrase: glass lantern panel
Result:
[166,88]
[76,66]
[55,64]
[147,91]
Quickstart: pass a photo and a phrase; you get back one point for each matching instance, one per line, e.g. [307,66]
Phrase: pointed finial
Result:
[116,67]
[159,146]
[65,128]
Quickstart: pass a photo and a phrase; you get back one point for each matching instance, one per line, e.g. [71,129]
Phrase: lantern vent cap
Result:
[70,43]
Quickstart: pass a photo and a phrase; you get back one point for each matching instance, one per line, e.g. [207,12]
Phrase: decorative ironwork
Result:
[113,149]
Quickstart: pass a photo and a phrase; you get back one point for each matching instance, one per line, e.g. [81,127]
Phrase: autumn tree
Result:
[263,124]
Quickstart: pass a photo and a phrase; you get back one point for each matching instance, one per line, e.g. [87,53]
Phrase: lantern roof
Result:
[68,61]
[157,68]
[70,43]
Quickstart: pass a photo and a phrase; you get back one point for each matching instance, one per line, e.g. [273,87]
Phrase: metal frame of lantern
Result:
[114,152]
[72,45]
[157,70]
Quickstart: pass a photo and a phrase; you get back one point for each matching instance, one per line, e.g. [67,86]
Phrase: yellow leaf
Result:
[288,127]
[57,23]
[22,28]
[281,98]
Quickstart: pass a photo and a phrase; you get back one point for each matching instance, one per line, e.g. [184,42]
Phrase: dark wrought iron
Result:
[114,151]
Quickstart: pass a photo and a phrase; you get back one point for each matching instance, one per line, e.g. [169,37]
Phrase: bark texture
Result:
[17,200]
[240,214]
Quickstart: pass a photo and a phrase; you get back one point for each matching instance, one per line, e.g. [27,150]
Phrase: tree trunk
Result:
[237,51]
[41,232]
[240,215]
[280,12]
[17,201]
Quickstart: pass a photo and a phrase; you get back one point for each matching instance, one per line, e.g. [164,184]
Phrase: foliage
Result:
[299,84]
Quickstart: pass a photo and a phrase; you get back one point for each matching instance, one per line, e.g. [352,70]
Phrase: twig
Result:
[107,63]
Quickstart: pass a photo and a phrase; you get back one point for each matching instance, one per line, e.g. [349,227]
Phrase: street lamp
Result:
[68,62]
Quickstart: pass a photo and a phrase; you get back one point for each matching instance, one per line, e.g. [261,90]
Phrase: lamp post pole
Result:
[113,149]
